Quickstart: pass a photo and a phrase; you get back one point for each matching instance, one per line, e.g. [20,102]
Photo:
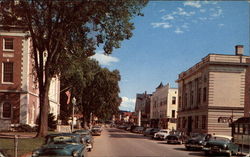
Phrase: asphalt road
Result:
[119,143]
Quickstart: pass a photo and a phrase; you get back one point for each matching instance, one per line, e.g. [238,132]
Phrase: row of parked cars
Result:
[210,144]
[75,144]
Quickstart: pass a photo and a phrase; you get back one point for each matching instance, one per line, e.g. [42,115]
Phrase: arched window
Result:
[6,110]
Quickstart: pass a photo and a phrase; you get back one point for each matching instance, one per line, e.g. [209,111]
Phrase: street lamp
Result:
[73,108]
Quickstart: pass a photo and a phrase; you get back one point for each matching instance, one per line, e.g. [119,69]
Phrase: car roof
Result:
[222,136]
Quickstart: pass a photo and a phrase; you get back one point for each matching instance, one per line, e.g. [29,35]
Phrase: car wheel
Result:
[188,148]
[207,153]
[180,142]
[229,154]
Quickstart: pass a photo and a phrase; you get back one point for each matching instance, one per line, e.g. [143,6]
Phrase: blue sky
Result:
[171,37]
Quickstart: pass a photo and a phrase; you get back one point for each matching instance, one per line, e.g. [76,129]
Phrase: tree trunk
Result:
[44,110]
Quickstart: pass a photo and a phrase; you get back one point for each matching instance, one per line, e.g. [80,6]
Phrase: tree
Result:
[96,88]
[61,28]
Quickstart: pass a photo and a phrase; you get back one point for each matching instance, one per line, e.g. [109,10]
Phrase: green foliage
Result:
[96,89]
[68,29]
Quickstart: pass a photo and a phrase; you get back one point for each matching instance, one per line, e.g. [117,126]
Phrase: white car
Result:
[162,134]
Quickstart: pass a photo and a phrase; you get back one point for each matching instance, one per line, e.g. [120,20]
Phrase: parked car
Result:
[220,144]
[96,130]
[62,144]
[176,137]
[150,131]
[197,141]
[138,129]
[162,134]
[87,137]
[147,131]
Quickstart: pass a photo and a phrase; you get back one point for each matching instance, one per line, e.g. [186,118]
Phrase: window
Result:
[196,120]
[204,94]
[8,44]
[191,98]
[199,96]
[7,72]
[6,110]
[173,100]
[173,113]
[203,124]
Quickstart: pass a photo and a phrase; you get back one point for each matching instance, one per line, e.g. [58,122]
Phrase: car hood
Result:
[60,149]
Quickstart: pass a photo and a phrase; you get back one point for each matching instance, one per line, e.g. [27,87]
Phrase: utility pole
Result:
[73,110]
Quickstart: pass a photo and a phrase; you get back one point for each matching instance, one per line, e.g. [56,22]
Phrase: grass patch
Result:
[24,145]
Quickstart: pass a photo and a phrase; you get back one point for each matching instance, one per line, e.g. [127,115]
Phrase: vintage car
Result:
[150,132]
[220,144]
[138,129]
[176,137]
[96,130]
[87,137]
[197,141]
[162,134]
[62,144]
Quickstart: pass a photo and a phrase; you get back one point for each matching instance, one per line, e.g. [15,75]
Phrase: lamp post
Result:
[73,108]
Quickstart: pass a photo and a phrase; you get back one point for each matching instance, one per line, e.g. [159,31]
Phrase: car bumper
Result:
[217,150]
[194,146]
[173,141]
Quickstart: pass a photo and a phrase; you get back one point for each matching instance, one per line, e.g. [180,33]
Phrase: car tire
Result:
[230,154]
[188,148]
[180,142]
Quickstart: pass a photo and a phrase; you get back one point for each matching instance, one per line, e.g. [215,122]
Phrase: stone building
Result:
[163,107]
[212,93]
[19,101]
[142,108]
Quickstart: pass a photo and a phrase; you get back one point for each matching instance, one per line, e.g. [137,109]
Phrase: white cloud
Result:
[182,12]
[195,4]
[168,17]
[202,10]
[127,104]
[162,10]
[178,31]
[105,59]
[217,13]
[161,24]
[221,25]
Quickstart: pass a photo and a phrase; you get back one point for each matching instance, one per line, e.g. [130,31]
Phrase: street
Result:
[119,143]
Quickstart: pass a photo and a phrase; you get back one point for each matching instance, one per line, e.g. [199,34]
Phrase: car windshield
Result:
[61,139]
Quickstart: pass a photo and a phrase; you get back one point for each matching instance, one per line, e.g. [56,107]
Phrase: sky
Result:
[171,37]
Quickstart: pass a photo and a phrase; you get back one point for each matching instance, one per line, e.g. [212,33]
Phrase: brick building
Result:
[19,102]
[213,93]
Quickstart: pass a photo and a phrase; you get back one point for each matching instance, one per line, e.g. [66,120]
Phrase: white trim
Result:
[12,34]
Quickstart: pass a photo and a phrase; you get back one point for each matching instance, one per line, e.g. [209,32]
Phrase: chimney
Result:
[239,50]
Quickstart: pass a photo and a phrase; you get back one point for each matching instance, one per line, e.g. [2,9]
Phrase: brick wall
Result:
[247,90]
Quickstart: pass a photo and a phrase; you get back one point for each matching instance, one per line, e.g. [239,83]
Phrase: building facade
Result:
[142,108]
[19,101]
[163,107]
[212,93]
